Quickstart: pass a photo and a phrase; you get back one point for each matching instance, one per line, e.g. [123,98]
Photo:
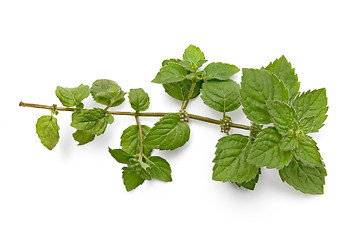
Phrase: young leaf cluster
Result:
[269,96]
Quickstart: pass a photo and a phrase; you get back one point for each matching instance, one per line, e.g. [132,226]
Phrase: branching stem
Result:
[141,114]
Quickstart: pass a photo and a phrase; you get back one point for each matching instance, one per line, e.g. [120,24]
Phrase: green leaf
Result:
[195,56]
[71,97]
[170,73]
[257,87]
[159,169]
[130,140]
[220,71]
[304,178]
[107,92]
[312,103]
[306,124]
[288,142]
[172,60]
[132,177]
[139,99]
[223,96]
[282,115]
[266,151]
[307,152]
[250,185]
[120,155]
[83,137]
[230,162]
[91,120]
[168,133]
[48,131]
[284,71]
[180,90]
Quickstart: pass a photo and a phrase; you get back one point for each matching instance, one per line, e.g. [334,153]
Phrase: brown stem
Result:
[142,114]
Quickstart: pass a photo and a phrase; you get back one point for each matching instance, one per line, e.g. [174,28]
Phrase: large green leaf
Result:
[159,168]
[130,140]
[257,87]
[303,177]
[180,90]
[284,71]
[139,99]
[71,97]
[172,72]
[220,71]
[282,115]
[266,151]
[93,120]
[48,131]
[223,96]
[83,137]
[307,152]
[107,92]
[168,133]
[230,162]
[312,104]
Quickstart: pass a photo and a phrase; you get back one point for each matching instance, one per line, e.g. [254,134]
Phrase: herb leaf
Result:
[194,56]
[220,71]
[266,151]
[71,97]
[130,140]
[223,96]
[312,103]
[48,131]
[107,92]
[92,120]
[303,177]
[258,86]
[284,71]
[159,168]
[288,142]
[168,133]
[83,137]
[139,99]
[282,115]
[230,162]
[250,185]
[306,124]
[120,155]
[307,152]
[180,90]
[172,72]
[132,177]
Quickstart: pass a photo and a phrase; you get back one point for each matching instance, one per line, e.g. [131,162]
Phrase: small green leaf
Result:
[120,155]
[48,131]
[107,92]
[257,87]
[172,72]
[312,103]
[180,90]
[139,99]
[223,96]
[195,56]
[304,178]
[168,133]
[306,124]
[159,169]
[230,162]
[288,142]
[71,97]
[83,137]
[91,120]
[250,185]
[284,71]
[307,152]
[220,71]
[132,177]
[282,115]
[172,60]
[130,140]
[266,151]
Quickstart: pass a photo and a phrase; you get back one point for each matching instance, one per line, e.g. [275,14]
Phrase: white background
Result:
[77,192]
